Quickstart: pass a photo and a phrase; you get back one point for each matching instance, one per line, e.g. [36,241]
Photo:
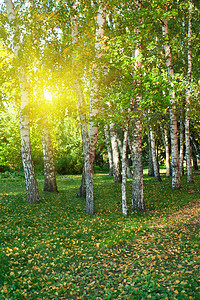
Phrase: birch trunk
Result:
[82,189]
[93,128]
[150,169]
[120,145]
[124,174]
[188,96]
[50,184]
[167,152]
[130,146]
[195,145]
[88,158]
[173,118]
[137,185]
[109,149]
[181,167]
[29,172]
[115,154]
[154,157]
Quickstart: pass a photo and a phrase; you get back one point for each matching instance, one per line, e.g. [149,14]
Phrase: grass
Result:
[53,250]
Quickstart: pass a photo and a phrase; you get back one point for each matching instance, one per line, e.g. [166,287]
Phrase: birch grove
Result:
[117,71]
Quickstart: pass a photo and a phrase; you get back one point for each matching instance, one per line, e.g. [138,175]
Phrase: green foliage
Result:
[69,165]
[54,250]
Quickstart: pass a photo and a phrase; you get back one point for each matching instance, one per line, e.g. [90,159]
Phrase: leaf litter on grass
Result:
[54,251]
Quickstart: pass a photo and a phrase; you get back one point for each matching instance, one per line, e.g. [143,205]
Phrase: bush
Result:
[69,165]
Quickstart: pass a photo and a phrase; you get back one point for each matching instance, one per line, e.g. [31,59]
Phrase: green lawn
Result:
[53,250]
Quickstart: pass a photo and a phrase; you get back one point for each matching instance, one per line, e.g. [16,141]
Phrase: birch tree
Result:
[173,117]
[150,165]
[115,154]
[137,185]
[164,132]
[30,178]
[181,166]
[89,137]
[124,173]
[121,149]
[154,157]
[50,184]
[188,96]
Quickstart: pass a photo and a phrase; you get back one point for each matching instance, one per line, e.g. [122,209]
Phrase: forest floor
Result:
[53,250]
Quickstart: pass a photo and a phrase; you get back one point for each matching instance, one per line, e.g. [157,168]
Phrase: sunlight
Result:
[47,95]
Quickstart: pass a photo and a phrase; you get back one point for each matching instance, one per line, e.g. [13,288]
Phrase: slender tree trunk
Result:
[150,169]
[164,132]
[195,145]
[29,172]
[88,157]
[188,96]
[124,173]
[137,185]
[93,128]
[109,149]
[154,157]
[120,145]
[181,167]
[130,146]
[173,118]
[50,184]
[115,154]
[82,189]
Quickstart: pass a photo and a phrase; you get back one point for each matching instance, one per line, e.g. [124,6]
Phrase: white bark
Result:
[88,159]
[188,95]
[120,145]
[130,146]
[167,150]
[89,137]
[173,118]
[150,169]
[154,157]
[137,185]
[93,128]
[29,172]
[115,154]
[124,173]
[181,167]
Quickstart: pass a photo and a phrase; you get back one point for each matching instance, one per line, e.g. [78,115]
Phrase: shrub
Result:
[69,165]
